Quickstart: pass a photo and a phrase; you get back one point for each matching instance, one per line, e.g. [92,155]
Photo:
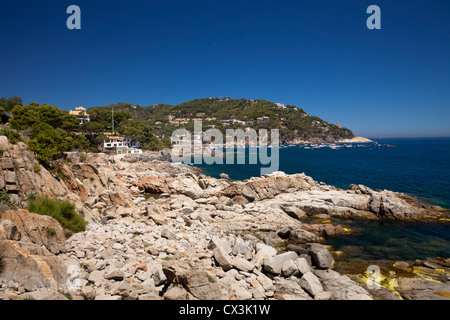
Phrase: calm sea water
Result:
[416,166]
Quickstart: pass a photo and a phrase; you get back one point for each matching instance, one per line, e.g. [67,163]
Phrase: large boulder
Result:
[31,265]
[187,185]
[321,258]
[293,211]
[263,251]
[311,284]
[152,184]
[202,285]
[38,229]
[222,258]
[324,229]
[269,186]
[242,264]
[275,264]
[272,185]
[340,286]
[303,236]
[391,205]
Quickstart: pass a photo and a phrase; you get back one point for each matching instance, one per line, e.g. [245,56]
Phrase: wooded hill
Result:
[294,123]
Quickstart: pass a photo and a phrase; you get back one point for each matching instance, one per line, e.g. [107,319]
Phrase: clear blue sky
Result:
[317,55]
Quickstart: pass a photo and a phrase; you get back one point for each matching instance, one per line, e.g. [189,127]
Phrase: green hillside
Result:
[294,123]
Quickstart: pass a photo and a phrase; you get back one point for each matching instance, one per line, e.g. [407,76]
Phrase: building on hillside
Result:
[180,121]
[233,121]
[262,119]
[227,122]
[81,114]
[121,145]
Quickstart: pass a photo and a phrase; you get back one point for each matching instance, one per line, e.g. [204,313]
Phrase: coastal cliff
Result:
[162,230]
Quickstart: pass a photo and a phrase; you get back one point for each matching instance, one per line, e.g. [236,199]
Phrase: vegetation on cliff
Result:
[63,211]
[50,131]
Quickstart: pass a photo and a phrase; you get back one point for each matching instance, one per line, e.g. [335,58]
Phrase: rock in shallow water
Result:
[322,258]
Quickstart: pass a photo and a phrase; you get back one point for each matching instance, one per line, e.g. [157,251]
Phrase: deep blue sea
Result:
[417,166]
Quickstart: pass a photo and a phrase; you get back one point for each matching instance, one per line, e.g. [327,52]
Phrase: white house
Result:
[81,114]
[121,145]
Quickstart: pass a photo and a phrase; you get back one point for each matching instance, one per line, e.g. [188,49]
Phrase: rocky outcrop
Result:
[89,176]
[186,183]
[357,201]
[31,266]
[392,205]
[28,244]
[22,175]
[38,229]
[152,184]
[73,184]
[268,187]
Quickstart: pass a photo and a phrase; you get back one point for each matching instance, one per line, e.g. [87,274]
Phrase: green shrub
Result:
[63,211]
[13,136]
[32,195]
[4,197]
[82,157]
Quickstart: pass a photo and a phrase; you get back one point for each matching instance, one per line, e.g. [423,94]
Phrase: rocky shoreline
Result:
[162,230]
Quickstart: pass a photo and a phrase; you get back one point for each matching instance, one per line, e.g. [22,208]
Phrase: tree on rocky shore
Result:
[50,131]
[142,132]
